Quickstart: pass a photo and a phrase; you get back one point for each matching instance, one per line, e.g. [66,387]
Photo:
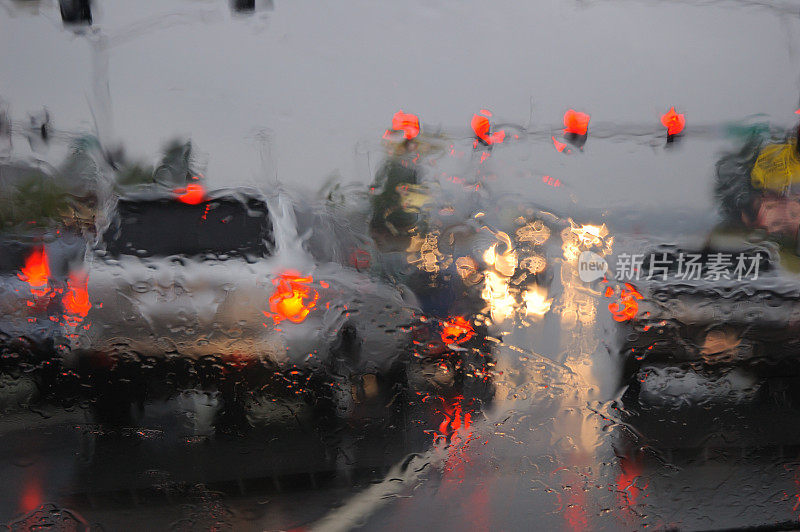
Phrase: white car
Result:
[228,276]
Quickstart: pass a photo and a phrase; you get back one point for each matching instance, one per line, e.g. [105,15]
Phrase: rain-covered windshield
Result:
[164,227]
[416,265]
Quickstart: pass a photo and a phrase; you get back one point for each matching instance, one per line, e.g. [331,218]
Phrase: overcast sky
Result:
[322,82]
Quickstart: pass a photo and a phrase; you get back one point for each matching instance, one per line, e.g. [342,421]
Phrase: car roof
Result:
[157,192]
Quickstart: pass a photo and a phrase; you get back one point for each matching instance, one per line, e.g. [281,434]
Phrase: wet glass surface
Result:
[273,265]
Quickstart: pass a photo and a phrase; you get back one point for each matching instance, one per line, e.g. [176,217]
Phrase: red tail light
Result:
[559,146]
[192,194]
[293,299]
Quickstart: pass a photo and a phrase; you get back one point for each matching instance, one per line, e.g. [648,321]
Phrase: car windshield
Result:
[164,227]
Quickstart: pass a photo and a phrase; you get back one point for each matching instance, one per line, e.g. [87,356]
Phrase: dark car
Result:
[709,309]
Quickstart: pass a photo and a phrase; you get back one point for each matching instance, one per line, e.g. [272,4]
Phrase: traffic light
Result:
[249,7]
[78,12]
[243,6]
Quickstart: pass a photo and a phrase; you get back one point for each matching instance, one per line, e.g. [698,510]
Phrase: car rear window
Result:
[165,227]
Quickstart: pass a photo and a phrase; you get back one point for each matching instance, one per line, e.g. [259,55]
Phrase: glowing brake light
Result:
[293,299]
[457,331]
[673,121]
[36,271]
[575,122]
[192,194]
[627,306]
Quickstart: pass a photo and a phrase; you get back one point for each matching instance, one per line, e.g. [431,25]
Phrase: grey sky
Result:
[324,79]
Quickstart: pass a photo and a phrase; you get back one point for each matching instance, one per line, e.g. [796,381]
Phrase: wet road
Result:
[298,93]
[554,450]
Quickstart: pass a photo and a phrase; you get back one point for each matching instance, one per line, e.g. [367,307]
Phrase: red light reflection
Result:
[454,418]
[572,501]
[627,486]
[32,494]
[547,180]
[76,299]
[627,306]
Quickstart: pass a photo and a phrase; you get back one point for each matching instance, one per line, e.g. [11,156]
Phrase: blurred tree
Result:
[176,168]
[35,201]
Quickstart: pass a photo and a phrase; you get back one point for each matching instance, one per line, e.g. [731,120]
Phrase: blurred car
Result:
[758,189]
[710,309]
[226,277]
[734,301]
[236,281]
